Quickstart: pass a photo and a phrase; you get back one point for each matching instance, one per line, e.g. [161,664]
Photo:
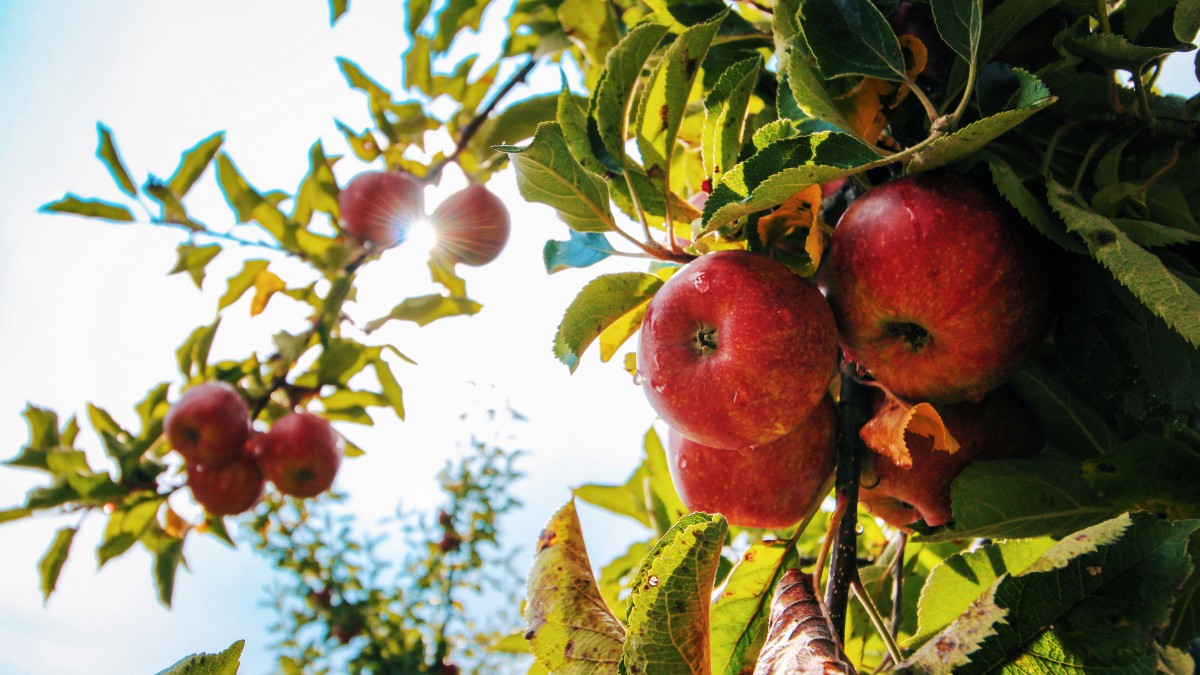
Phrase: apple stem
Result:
[864,599]
[853,413]
[898,582]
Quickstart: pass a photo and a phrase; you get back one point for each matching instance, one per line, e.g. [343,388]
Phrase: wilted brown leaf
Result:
[893,418]
[800,638]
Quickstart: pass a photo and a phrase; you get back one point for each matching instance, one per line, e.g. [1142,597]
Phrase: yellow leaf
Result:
[893,418]
[799,210]
[266,284]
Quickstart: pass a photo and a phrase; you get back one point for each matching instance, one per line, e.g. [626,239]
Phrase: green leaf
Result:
[229,661]
[668,611]
[1149,234]
[1031,97]
[783,168]
[1021,498]
[336,9]
[426,309]
[457,14]
[608,113]
[418,66]
[1000,26]
[548,174]
[592,24]
[725,116]
[51,563]
[616,575]
[569,627]
[318,193]
[241,282]
[1115,579]
[91,208]
[601,303]
[517,122]
[1113,52]
[1185,619]
[106,151]
[194,350]
[806,85]
[953,585]
[125,526]
[1143,273]
[387,382]
[649,483]
[193,259]
[581,249]
[1187,20]
[364,145]
[1033,208]
[851,37]
[168,551]
[43,438]
[1153,474]
[249,205]
[417,11]
[663,101]
[192,164]
[739,616]
[959,22]
[1072,425]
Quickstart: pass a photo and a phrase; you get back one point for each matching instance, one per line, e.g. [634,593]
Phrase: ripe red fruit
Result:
[939,288]
[227,489]
[472,226]
[378,207]
[998,427]
[300,454]
[209,424]
[736,350]
[770,486]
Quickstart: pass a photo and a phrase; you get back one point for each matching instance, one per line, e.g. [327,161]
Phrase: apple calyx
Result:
[911,334]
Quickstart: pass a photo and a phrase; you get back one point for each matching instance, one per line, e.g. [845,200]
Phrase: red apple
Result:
[471,225]
[770,486]
[938,286]
[209,424]
[736,350]
[998,427]
[300,454]
[228,489]
[377,207]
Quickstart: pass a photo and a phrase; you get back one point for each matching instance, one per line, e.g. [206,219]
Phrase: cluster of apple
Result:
[932,286]
[379,207]
[229,463]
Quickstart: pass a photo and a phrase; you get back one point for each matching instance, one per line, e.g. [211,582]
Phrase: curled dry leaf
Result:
[800,637]
[894,418]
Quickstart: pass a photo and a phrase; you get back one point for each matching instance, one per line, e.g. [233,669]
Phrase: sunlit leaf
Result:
[548,174]
[107,152]
[569,627]
[227,662]
[51,563]
[601,303]
[426,309]
[885,431]
[725,113]
[608,113]
[241,282]
[193,259]
[91,208]
[668,610]
[192,164]
[739,617]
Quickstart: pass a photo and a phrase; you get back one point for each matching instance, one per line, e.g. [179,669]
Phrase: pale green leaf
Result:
[91,208]
[192,163]
[725,116]
[739,616]
[601,303]
[548,174]
[106,151]
[569,627]
[241,282]
[51,563]
[609,108]
[1143,273]
[225,663]
[193,259]
[668,611]
[426,309]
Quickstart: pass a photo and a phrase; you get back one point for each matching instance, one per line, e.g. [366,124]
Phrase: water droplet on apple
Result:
[637,378]
[659,387]
[683,462]
[701,283]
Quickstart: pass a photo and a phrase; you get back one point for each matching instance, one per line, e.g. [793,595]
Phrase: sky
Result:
[89,313]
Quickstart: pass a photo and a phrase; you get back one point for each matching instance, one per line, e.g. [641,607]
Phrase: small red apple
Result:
[209,424]
[998,427]
[377,207]
[770,486]
[227,489]
[472,226]
[736,350]
[938,286]
[300,454]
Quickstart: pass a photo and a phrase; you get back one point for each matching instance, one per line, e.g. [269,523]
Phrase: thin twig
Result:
[876,619]
[898,585]
[476,122]
[225,236]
